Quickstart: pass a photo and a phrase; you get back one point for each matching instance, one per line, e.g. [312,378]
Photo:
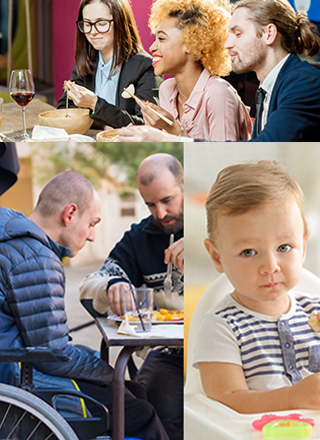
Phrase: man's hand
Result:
[144,133]
[81,96]
[175,253]
[120,298]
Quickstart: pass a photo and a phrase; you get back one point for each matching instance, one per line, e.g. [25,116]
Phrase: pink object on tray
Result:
[267,418]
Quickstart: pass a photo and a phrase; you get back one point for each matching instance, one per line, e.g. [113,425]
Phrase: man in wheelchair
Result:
[32,289]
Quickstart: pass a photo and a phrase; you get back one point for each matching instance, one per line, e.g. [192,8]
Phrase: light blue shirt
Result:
[106,85]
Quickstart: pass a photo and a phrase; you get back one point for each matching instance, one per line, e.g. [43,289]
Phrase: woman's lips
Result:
[156,60]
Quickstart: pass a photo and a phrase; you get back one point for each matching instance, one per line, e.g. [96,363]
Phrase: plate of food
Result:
[161,316]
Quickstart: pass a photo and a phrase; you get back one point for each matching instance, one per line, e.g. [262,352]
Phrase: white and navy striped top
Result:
[273,351]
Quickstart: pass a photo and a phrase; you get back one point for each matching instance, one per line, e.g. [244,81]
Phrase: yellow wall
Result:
[192,294]
[19,196]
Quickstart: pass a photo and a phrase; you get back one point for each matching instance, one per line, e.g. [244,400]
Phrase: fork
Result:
[167,284]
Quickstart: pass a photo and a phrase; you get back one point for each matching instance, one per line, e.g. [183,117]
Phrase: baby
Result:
[255,350]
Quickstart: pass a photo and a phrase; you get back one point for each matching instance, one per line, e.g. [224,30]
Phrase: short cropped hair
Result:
[64,188]
[241,188]
[298,34]
[152,166]
[204,27]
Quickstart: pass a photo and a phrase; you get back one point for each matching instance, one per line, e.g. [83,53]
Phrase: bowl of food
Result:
[75,121]
[108,135]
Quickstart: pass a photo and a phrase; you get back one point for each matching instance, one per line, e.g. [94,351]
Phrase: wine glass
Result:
[22,91]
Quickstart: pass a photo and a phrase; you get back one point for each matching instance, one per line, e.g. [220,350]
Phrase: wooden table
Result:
[130,344]
[12,124]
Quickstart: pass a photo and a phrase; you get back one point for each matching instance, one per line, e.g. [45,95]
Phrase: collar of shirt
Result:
[193,99]
[268,85]
[106,85]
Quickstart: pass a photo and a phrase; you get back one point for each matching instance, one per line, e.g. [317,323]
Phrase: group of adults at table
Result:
[32,290]
[197,42]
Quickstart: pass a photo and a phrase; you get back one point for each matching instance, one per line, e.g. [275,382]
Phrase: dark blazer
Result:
[138,71]
[294,111]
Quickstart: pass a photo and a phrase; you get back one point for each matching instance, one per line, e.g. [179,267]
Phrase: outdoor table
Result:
[130,344]
[12,125]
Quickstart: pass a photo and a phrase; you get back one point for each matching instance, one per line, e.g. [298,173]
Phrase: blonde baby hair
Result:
[243,187]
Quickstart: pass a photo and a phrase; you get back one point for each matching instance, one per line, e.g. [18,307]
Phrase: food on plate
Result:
[314,323]
[169,315]
[161,315]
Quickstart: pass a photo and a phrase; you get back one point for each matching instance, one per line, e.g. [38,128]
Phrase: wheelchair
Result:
[29,414]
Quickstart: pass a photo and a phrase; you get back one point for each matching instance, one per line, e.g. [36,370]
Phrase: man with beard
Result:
[142,256]
[266,37]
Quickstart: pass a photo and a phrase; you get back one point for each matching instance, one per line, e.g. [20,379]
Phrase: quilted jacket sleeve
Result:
[35,297]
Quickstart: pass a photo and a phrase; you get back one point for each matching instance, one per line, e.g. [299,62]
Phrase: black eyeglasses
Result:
[101,26]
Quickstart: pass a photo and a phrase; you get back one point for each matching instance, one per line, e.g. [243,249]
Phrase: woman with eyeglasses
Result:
[108,57]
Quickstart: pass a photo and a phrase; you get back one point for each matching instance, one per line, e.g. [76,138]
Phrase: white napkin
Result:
[157,331]
[126,329]
[46,134]
[51,134]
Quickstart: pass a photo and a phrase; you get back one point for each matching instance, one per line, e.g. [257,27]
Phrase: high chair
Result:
[207,419]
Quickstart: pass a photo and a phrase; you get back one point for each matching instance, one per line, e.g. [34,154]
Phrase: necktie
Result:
[259,107]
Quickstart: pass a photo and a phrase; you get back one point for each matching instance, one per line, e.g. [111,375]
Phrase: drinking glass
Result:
[138,312]
[22,91]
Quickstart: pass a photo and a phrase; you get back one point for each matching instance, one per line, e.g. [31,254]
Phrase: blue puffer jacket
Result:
[32,309]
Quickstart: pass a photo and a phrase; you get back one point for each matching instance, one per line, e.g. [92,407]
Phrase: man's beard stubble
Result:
[171,229]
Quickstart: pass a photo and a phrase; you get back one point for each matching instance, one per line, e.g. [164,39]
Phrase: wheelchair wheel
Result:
[24,416]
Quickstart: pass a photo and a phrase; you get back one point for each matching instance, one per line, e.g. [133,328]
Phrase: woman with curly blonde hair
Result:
[189,44]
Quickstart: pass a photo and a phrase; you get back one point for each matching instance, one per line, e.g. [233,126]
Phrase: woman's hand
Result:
[152,119]
[144,133]
[81,96]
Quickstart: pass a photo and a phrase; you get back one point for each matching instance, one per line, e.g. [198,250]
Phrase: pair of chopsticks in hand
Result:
[141,103]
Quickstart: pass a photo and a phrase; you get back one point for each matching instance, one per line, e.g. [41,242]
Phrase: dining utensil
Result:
[3,137]
[110,135]
[77,122]
[167,284]
[141,103]
[22,91]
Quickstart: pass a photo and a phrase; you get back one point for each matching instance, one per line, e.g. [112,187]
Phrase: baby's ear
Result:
[305,238]
[214,254]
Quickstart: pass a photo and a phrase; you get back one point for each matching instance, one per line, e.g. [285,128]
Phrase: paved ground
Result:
[77,315]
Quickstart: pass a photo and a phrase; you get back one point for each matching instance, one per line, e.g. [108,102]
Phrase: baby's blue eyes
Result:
[250,252]
[284,248]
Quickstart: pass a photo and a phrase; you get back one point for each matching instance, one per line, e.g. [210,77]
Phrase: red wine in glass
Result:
[22,98]
[22,91]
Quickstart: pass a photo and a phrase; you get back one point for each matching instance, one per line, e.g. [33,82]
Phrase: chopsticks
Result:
[138,100]
[3,136]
